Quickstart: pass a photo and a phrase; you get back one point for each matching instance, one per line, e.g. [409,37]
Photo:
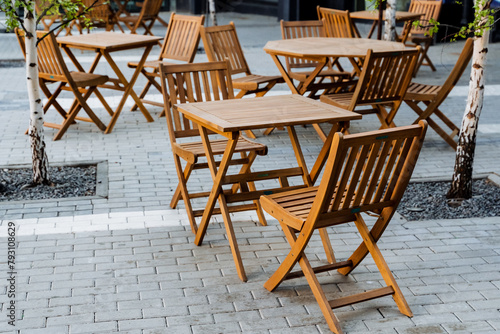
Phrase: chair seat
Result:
[421,92]
[252,81]
[195,149]
[419,39]
[342,100]
[291,207]
[83,79]
[133,18]
[302,75]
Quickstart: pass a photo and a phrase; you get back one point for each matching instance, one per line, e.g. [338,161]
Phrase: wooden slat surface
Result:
[329,47]
[373,15]
[264,112]
[108,41]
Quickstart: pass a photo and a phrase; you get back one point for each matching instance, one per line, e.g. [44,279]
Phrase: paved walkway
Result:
[127,263]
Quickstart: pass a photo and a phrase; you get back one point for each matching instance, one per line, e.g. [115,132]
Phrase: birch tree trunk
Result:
[211,8]
[390,21]
[461,186]
[35,131]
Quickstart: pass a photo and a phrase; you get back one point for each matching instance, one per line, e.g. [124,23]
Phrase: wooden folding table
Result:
[321,49]
[104,44]
[231,117]
[373,15]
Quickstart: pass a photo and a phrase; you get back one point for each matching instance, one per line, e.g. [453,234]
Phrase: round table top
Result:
[330,47]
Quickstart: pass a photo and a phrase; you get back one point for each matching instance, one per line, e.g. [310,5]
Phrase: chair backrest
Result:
[51,65]
[366,172]
[20,39]
[301,29]
[338,23]
[182,38]
[430,9]
[221,42]
[196,82]
[100,12]
[150,9]
[41,6]
[456,72]
[385,77]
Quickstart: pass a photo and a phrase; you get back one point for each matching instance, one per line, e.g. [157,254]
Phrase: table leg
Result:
[216,193]
[372,29]
[128,85]
[325,151]
[284,74]
[299,156]
[310,79]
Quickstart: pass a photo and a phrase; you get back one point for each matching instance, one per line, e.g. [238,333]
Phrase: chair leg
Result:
[298,246]
[177,193]
[184,193]
[251,185]
[144,90]
[327,245]
[449,138]
[423,56]
[320,296]
[312,280]
[371,244]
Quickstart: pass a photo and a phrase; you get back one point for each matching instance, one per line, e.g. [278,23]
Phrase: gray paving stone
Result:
[141,323]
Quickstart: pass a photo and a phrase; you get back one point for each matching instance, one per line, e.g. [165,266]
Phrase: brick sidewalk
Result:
[128,263]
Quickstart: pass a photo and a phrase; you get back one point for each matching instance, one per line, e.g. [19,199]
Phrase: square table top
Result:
[110,41]
[263,112]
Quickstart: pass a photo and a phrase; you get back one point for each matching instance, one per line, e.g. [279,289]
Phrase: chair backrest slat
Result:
[221,42]
[301,29]
[188,83]
[51,64]
[99,12]
[338,23]
[430,9]
[385,77]
[182,38]
[150,9]
[367,171]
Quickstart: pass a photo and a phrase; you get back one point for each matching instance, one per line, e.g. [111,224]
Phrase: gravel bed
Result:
[68,181]
[427,200]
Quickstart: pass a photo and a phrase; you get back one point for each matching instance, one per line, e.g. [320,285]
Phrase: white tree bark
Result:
[35,131]
[462,177]
[390,21]
[211,8]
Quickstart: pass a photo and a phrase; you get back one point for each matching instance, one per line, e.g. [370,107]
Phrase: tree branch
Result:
[65,22]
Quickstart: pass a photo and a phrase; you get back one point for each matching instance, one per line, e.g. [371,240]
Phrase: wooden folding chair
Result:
[299,68]
[145,19]
[199,82]
[382,84]
[417,35]
[52,69]
[338,23]
[48,20]
[99,16]
[222,42]
[180,44]
[433,96]
[365,173]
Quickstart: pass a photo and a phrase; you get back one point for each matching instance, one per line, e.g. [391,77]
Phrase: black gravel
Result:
[427,200]
[68,182]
